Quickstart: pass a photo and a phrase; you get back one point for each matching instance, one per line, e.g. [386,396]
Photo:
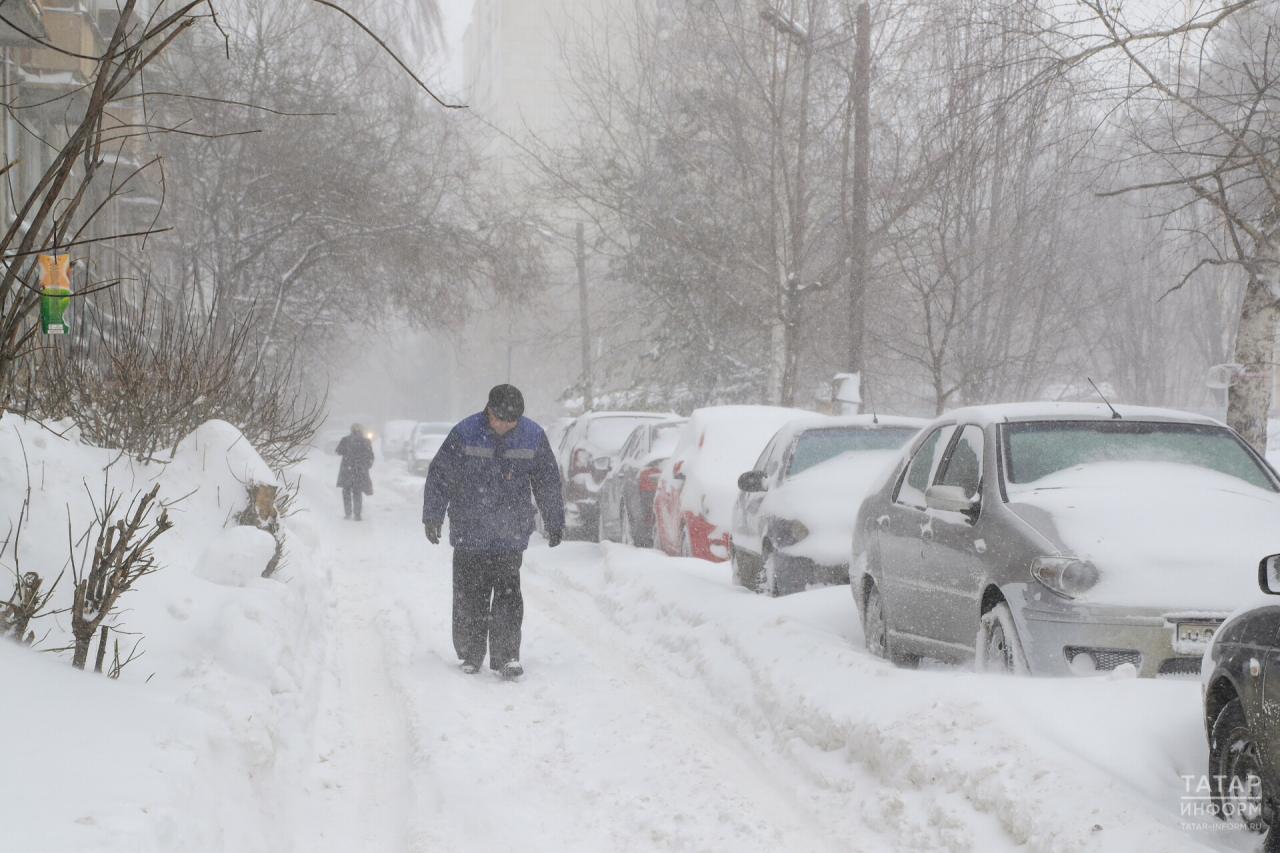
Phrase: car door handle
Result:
[883,521]
[927,533]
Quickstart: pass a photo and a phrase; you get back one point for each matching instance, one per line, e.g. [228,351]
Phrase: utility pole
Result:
[586,325]
[858,238]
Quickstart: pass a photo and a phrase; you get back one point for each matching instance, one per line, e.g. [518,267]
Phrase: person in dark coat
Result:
[483,476]
[353,474]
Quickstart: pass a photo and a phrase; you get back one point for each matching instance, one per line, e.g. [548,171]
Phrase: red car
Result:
[693,506]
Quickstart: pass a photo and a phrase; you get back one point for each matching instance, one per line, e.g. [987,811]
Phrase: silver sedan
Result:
[1062,539]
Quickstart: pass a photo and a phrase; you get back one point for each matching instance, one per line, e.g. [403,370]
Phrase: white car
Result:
[423,444]
[794,517]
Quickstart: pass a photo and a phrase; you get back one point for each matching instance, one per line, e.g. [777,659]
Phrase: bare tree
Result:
[1196,94]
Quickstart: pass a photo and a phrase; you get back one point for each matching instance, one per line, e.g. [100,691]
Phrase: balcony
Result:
[73,28]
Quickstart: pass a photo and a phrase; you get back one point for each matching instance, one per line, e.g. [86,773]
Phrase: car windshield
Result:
[1035,450]
[819,445]
[612,433]
[428,443]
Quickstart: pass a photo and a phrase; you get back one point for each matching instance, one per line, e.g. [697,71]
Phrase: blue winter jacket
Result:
[486,493]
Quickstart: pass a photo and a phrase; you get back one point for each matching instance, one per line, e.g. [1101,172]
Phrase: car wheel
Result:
[769,578]
[1236,770]
[686,546]
[998,648]
[739,572]
[600,534]
[628,538]
[875,630]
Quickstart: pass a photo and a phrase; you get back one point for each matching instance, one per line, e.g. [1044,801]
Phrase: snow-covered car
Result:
[625,499]
[423,444]
[1060,539]
[586,455]
[1240,679]
[793,520]
[693,504]
[396,436]
[556,432]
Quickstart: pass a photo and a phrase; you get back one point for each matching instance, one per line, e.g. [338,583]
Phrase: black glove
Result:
[554,537]
[433,531]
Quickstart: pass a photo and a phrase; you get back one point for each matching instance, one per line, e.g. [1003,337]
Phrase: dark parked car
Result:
[585,457]
[1063,539]
[625,498]
[793,520]
[1241,678]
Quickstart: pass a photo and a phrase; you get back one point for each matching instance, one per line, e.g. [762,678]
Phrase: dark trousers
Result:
[351,501]
[487,606]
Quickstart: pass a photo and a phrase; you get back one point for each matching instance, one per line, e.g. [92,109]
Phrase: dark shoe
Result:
[470,668]
[511,670]
[347,516]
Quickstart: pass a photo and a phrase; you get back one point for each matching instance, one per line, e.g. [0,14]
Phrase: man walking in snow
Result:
[353,473]
[482,476]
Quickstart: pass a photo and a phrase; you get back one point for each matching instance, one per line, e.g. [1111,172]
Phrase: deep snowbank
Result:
[192,747]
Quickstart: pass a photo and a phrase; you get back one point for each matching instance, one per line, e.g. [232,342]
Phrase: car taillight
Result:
[649,479]
[581,461]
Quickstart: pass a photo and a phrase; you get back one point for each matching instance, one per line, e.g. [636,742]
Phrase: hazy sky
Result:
[457,14]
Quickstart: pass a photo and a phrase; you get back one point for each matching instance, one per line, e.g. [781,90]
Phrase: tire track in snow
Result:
[802,829]
[926,780]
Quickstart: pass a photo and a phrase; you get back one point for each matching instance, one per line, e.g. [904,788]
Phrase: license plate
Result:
[1196,632]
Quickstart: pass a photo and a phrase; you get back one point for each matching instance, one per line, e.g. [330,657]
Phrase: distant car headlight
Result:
[1066,576]
[798,531]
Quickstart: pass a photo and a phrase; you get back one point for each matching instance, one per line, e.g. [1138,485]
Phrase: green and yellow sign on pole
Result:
[55,294]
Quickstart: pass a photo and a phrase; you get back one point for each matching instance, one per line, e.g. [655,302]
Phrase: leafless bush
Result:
[121,556]
[23,605]
[141,377]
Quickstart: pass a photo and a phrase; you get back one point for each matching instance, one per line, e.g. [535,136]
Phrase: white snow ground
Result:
[662,710]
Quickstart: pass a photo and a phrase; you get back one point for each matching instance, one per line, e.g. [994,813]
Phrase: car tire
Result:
[686,545]
[739,571]
[600,534]
[628,538]
[875,631]
[1235,755]
[998,648]
[875,627]
[769,576]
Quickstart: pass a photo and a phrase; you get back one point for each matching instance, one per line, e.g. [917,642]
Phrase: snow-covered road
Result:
[664,709]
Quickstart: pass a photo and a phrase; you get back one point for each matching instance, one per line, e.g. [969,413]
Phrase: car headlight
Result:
[798,531]
[1066,576]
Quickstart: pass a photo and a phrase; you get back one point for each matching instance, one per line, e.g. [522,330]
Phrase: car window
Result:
[1260,627]
[923,467]
[964,466]
[664,437]
[818,445]
[629,449]
[1038,449]
[764,456]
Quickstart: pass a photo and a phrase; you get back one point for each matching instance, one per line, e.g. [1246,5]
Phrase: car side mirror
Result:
[950,498]
[751,481]
[602,463]
[1269,575]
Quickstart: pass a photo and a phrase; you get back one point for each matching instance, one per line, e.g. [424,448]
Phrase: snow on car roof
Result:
[1047,411]
[737,435]
[816,421]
